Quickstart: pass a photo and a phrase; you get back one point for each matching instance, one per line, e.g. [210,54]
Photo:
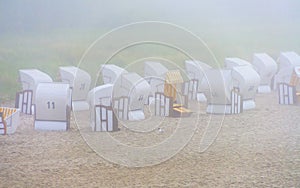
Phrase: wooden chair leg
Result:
[3,122]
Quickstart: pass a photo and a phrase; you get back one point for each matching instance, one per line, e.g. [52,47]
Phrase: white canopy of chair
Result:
[30,78]
[110,73]
[218,92]
[247,80]
[196,70]
[100,95]
[234,61]
[266,67]
[155,74]
[287,62]
[135,87]
[244,77]
[220,83]
[79,81]
[53,105]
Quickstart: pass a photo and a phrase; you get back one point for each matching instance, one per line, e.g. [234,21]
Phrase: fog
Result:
[33,15]
[46,34]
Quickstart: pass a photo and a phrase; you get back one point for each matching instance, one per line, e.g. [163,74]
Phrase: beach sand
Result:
[258,148]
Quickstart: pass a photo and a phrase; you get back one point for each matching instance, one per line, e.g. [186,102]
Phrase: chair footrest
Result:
[177,105]
[181,112]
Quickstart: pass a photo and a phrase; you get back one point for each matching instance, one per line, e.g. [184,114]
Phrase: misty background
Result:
[41,16]
[50,33]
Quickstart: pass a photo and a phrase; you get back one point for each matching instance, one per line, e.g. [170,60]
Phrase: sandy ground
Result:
[259,148]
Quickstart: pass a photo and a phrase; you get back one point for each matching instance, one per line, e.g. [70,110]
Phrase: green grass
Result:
[48,51]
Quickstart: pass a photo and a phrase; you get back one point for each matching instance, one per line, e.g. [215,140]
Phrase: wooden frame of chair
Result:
[121,103]
[286,93]
[106,118]
[190,88]
[160,103]
[3,122]
[26,97]
[236,101]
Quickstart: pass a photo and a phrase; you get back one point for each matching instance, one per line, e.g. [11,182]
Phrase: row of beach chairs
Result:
[123,95]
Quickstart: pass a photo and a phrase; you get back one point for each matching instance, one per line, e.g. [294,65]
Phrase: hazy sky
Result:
[35,15]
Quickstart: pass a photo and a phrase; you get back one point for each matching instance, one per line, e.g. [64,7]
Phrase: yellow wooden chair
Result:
[294,81]
[172,82]
[4,114]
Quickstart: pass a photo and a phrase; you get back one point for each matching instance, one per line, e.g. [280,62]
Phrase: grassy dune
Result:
[49,50]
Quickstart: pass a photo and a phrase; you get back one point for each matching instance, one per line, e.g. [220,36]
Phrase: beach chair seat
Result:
[177,105]
[181,111]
